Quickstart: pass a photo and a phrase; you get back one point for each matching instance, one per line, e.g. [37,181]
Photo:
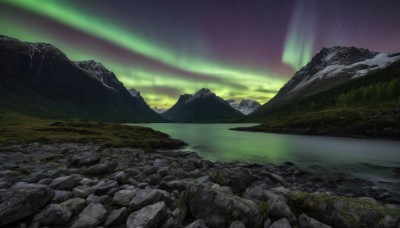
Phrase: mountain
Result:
[327,69]
[38,79]
[202,107]
[245,106]
[159,110]
[358,96]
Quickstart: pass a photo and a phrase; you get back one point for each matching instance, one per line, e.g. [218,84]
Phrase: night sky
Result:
[237,48]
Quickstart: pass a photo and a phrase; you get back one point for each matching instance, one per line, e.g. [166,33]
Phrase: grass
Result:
[20,128]
[377,121]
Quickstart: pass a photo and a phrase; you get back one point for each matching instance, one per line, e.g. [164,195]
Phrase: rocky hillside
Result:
[202,107]
[38,79]
[85,185]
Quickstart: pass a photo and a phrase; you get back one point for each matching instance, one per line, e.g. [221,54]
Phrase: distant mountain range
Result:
[245,106]
[202,107]
[38,79]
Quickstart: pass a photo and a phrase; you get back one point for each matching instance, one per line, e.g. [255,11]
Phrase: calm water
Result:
[358,157]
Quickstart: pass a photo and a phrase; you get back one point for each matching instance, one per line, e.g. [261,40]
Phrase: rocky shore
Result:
[88,185]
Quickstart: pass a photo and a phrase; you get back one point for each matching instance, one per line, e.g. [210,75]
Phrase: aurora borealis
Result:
[237,48]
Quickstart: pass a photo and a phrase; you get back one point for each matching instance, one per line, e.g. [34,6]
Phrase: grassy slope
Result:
[380,121]
[20,128]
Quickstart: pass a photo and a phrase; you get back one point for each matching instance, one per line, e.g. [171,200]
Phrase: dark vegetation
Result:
[20,128]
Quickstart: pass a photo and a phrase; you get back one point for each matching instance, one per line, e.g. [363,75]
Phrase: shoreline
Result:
[116,178]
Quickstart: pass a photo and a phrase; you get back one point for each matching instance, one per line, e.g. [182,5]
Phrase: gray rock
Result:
[221,209]
[8,174]
[53,214]
[236,178]
[75,205]
[82,191]
[120,176]
[20,203]
[237,224]
[64,182]
[267,223]
[91,216]
[224,189]
[199,223]
[148,217]
[98,169]
[116,217]
[104,186]
[258,194]
[61,196]
[277,208]
[96,199]
[123,197]
[163,172]
[146,197]
[4,184]
[87,181]
[154,179]
[277,178]
[280,190]
[307,222]
[282,223]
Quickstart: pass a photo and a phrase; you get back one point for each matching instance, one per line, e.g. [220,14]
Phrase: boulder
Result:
[75,205]
[96,199]
[199,223]
[236,178]
[237,224]
[154,179]
[307,222]
[116,217]
[258,194]
[123,197]
[281,223]
[146,197]
[277,208]
[221,209]
[104,186]
[19,203]
[61,196]
[53,214]
[91,216]
[343,212]
[82,191]
[148,217]
[98,169]
[64,182]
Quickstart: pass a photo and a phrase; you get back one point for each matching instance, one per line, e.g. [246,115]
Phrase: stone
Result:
[154,179]
[343,212]
[61,196]
[224,189]
[53,214]
[146,197]
[237,224]
[82,191]
[96,199]
[267,223]
[91,216]
[19,203]
[277,208]
[75,205]
[104,186]
[307,222]
[120,176]
[258,194]
[277,178]
[221,209]
[281,223]
[163,172]
[64,182]
[116,217]
[236,178]
[148,217]
[123,197]
[98,169]
[280,190]
[199,223]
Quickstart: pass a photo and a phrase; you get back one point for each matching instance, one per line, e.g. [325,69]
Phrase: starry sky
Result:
[237,48]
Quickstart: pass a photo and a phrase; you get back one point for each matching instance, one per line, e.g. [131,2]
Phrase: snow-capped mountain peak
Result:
[333,65]
[99,72]
[245,106]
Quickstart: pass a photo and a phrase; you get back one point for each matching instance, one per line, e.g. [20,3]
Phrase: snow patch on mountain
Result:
[245,106]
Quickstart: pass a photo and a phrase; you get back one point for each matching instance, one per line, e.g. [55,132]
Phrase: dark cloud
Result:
[266,90]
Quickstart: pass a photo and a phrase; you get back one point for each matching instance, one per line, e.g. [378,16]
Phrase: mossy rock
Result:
[343,211]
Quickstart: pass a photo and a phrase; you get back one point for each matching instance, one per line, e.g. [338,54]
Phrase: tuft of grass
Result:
[20,128]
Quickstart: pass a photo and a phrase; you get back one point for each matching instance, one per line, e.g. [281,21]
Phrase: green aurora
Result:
[226,80]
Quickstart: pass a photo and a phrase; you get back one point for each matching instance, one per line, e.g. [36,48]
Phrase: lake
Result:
[364,158]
